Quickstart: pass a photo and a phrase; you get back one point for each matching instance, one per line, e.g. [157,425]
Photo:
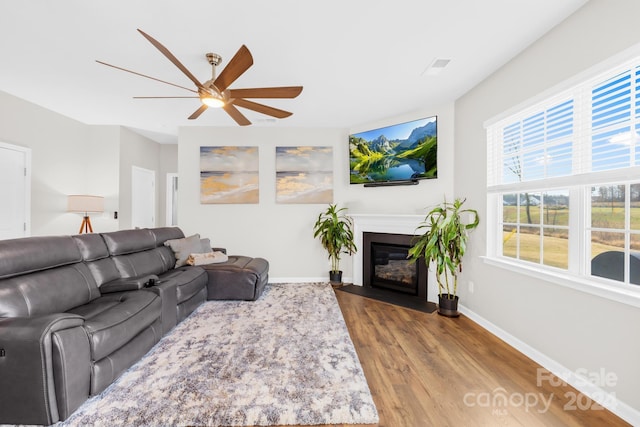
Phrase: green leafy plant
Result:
[334,230]
[444,242]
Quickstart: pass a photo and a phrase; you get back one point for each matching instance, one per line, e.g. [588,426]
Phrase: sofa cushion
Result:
[182,248]
[190,281]
[240,278]
[51,291]
[115,319]
[141,263]
[96,256]
[92,246]
[103,271]
[129,241]
[27,255]
[168,257]
[162,234]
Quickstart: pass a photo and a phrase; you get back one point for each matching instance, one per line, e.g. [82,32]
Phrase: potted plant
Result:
[334,230]
[444,243]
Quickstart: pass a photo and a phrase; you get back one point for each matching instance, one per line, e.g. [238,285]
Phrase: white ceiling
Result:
[359,61]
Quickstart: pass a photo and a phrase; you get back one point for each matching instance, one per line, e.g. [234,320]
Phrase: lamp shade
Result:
[83,203]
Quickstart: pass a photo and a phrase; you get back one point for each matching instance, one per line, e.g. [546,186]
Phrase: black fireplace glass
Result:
[392,270]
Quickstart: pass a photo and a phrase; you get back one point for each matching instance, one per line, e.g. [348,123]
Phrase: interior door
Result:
[143,198]
[15,191]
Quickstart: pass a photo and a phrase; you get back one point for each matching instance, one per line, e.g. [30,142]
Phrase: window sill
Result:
[603,290]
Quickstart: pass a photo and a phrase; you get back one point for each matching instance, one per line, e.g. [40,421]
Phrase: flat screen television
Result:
[399,154]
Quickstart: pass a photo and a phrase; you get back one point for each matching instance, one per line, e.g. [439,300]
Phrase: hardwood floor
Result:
[427,370]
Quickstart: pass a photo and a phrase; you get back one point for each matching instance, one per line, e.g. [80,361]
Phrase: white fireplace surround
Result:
[378,223]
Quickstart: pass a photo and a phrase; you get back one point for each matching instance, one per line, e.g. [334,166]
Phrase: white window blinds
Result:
[591,127]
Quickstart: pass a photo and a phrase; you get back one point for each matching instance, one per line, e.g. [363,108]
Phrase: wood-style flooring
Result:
[428,370]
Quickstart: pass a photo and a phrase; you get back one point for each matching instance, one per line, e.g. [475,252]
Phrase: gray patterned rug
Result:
[284,359]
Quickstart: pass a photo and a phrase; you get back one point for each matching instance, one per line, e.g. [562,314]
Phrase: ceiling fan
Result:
[215,92]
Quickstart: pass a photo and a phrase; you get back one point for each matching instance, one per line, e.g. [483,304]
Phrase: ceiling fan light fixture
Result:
[213,100]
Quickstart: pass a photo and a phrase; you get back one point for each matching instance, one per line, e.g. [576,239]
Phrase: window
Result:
[564,182]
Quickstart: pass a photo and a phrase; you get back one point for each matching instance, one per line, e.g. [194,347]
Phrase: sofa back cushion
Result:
[44,292]
[140,263]
[162,234]
[43,275]
[96,256]
[92,246]
[31,254]
[137,253]
[129,241]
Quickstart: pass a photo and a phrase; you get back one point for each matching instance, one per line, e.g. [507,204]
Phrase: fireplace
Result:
[391,232]
[385,265]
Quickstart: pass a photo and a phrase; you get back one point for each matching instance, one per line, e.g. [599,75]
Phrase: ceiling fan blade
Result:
[197,113]
[260,108]
[165,97]
[172,58]
[266,92]
[236,115]
[240,63]
[144,75]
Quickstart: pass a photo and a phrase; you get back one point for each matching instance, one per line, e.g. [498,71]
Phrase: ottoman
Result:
[239,278]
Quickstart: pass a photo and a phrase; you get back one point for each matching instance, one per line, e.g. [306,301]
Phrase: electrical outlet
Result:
[471,285]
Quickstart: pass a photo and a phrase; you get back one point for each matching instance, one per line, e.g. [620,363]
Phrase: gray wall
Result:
[575,329]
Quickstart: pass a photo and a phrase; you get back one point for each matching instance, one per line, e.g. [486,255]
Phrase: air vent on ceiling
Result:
[436,66]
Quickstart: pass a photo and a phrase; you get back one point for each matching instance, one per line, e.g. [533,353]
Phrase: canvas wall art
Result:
[229,174]
[304,174]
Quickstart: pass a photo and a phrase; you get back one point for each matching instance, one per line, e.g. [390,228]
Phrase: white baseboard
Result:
[305,279]
[580,383]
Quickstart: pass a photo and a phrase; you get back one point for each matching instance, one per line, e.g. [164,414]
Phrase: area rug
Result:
[284,359]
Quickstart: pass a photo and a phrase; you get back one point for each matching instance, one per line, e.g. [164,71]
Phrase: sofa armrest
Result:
[28,361]
[166,290]
[128,284]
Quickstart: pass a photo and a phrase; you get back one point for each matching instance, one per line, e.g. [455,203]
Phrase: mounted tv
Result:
[400,154]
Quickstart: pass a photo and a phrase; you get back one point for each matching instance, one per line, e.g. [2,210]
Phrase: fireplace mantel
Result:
[379,223]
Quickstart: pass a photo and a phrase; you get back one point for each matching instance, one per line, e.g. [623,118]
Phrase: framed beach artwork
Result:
[229,174]
[304,174]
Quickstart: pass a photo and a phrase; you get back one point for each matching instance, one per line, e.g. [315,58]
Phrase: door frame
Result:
[153,193]
[27,184]
[170,188]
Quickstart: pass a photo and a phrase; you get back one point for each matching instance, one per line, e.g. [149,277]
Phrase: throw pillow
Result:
[183,247]
[206,245]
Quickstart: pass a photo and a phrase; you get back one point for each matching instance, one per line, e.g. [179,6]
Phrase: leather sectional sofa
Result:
[77,311]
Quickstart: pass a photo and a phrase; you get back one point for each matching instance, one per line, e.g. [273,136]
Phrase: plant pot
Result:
[335,277]
[448,306]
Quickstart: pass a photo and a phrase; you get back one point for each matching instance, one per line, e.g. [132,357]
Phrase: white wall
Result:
[282,233]
[168,164]
[137,150]
[574,329]
[68,157]
[101,169]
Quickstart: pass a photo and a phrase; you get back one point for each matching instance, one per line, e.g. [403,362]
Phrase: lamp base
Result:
[86,225]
